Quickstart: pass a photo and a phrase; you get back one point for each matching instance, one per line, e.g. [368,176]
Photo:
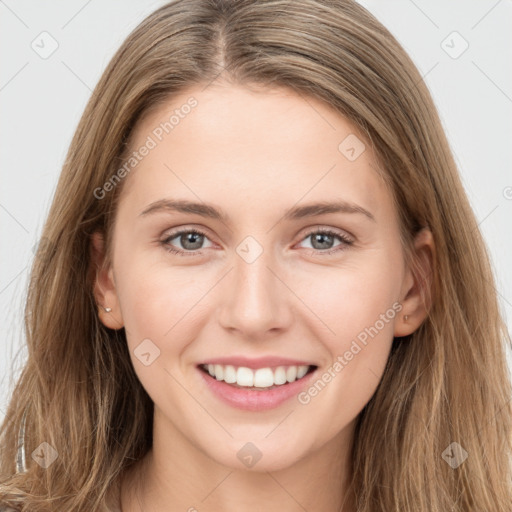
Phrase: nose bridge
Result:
[256,301]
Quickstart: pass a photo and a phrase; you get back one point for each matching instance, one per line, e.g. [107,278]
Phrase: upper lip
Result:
[257,362]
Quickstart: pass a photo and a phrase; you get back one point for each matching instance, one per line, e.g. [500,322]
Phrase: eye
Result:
[190,239]
[322,240]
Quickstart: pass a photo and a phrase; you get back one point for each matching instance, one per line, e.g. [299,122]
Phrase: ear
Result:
[416,291]
[104,286]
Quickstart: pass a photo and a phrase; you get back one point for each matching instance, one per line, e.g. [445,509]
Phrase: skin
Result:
[254,154]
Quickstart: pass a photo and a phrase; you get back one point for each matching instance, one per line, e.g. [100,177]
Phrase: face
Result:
[254,284]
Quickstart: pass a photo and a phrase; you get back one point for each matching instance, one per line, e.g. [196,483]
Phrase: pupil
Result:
[189,238]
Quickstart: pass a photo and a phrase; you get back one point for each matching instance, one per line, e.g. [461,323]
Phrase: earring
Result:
[107,310]
[406,317]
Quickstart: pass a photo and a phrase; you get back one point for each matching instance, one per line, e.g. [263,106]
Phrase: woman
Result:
[247,371]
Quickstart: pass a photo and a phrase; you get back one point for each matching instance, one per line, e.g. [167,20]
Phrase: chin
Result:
[257,456]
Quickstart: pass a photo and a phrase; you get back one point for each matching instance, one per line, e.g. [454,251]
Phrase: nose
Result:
[257,301]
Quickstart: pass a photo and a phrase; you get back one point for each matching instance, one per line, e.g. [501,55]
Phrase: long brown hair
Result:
[446,383]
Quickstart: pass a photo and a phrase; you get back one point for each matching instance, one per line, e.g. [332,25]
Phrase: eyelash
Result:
[346,242]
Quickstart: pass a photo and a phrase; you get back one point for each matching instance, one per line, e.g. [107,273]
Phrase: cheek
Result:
[359,304]
[157,300]
[161,303]
[350,299]
[160,308]
[362,318]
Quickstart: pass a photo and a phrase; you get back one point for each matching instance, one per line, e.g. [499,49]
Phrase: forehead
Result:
[230,144]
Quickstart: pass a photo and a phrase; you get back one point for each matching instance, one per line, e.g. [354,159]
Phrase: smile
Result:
[255,389]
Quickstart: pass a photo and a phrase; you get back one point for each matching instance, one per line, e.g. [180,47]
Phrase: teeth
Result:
[229,374]
[219,372]
[279,376]
[260,378]
[263,378]
[291,373]
[244,377]
[301,371]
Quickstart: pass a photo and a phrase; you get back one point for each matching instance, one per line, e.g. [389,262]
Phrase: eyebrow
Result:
[297,212]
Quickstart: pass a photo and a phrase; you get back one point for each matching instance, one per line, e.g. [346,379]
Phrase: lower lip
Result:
[253,399]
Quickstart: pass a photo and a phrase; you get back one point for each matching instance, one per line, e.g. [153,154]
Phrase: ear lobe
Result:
[104,289]
[417,296]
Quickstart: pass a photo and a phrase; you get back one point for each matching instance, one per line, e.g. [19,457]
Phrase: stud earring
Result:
[107,310]
[406,317]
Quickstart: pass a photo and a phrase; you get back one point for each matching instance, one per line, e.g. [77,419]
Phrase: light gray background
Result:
[41,101]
